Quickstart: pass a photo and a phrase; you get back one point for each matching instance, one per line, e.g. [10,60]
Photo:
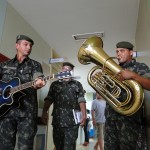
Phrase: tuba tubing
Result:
[106,83]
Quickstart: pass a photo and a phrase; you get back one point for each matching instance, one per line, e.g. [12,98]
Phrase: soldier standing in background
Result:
[65,95]
[98,117]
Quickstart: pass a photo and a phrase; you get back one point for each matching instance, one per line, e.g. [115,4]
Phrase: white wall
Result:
[142,37]
[14,24]
[3,5]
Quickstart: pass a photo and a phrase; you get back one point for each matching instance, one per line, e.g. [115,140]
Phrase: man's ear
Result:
[17,45]
[131,52]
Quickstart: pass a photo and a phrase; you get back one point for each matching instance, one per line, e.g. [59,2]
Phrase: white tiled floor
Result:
[89,147]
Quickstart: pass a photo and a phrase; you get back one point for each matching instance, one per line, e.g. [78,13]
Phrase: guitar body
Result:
[9,99]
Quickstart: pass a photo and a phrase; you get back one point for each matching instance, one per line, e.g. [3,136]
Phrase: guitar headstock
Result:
[64,74]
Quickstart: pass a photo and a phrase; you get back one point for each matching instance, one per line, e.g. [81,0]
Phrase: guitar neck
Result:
[59,75]
[29,84]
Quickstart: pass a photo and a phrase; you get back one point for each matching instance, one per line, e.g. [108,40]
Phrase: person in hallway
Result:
[124,132]
[19,112]
[86,129]
[98,118]
[65,94]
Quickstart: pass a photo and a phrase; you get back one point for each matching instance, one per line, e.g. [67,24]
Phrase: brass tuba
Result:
[124,97]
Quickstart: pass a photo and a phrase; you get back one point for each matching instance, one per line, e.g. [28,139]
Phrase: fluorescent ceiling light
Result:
[87,35]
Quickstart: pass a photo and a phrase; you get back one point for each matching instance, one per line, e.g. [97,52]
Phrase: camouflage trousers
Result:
[25,128]
[65,137]
[124,135]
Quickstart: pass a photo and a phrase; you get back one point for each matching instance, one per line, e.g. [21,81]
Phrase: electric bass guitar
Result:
[11,91]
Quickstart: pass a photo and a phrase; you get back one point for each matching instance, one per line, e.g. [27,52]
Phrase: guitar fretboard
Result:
[22,87]
[32,83]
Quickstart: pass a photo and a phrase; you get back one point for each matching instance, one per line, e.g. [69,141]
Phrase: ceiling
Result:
[57,20]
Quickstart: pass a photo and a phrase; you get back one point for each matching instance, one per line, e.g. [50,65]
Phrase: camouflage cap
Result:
[68,64]
[125,44]
[24,37]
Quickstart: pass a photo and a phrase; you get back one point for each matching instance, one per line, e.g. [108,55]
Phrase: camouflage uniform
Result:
[127,132]
[20,120]
[65,97]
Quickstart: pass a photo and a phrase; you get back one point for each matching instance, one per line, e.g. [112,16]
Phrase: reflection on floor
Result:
[89,147]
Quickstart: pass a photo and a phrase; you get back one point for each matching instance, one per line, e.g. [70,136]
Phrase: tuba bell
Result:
[125,97]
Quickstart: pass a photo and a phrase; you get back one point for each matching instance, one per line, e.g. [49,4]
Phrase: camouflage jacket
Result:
[65,97]
[143,70]
[26,71]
